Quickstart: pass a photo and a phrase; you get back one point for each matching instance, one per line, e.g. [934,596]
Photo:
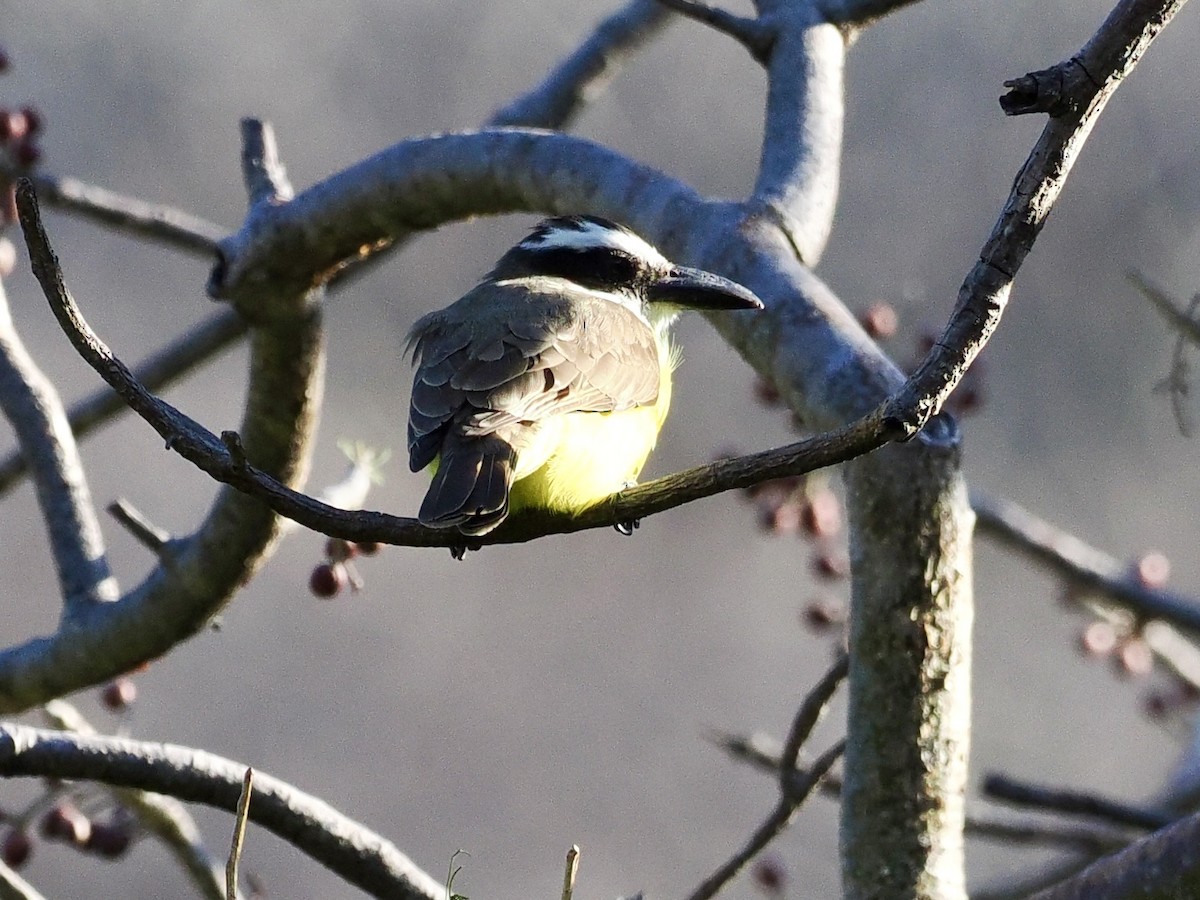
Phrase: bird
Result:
[545,386]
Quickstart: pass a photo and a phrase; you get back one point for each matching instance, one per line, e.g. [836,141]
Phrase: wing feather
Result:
[488,362]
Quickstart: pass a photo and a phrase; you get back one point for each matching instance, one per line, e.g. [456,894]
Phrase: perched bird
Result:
[546,385]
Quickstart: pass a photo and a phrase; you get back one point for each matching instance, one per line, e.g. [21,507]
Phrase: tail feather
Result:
[470,488]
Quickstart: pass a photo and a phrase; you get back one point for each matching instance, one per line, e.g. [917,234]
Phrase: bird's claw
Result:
[628,528]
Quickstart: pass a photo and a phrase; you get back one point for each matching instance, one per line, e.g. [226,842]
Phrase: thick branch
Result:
[176,601]
[358,855]
[800,168]
[1164,865]
[32,405]
[858,12]
[1108,57]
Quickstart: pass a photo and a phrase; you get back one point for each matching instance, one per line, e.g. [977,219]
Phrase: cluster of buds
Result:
[337,572]
[20,131]
[108,835]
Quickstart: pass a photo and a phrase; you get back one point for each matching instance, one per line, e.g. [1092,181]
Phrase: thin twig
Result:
[1187,330]
[1079,803]
[1081,564]
[772,826]
[753,34]
[1107,58]
[572,869]
[145,532]
[14,887]
[809,713]
[162,224]
[351,850]
[239,835]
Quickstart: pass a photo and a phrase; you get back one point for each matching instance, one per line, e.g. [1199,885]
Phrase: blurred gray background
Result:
[532,697]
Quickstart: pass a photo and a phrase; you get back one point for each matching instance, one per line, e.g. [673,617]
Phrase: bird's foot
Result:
[458,551]
[629,527]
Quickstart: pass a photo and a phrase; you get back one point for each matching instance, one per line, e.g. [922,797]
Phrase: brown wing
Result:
[518,353]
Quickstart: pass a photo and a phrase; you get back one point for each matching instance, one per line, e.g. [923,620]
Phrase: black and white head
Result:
[605,258]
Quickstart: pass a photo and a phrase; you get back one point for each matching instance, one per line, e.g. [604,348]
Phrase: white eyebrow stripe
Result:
[595,235]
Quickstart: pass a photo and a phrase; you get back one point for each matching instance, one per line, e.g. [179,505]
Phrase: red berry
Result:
[16,848]
[770,876]
[338,550]
[8,257]
[765,392]
[1134,658]
[327,580]
[821,515]
[823,615]
[880,320]
[111,839]
[66,822]
[27,153]
[783,518]
[831,564]
[13,125]
[1098,639]
[119,694]
[33,119]
[368,548]
[1152,569]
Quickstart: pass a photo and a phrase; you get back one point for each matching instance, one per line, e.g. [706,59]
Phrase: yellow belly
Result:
[593,456]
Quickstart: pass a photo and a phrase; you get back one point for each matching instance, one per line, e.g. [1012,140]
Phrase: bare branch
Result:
[807,716]
[1079,803]
[764,755]
[1164,865]
[145,532]
[771,828]
[264,174]
[32,405]
[1107,58]
[242,813]
[355,853]
[586,72]
[1178,319]
[158,371]
[14,887]
[1081,564]
[164,817]
[800,166]
[858,12]
[161,224]
[754,34]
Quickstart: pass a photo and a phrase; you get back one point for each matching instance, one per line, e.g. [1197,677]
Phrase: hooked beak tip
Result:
[698,289]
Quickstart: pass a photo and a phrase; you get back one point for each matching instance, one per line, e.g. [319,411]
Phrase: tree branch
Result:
[858,13]
[161,224]
[754,34]
[176,601]
[1164,865]
[587,71]
[213,456]
[164,817]
[32,405]
[358,855]
[1108,57]
[1082,565]
[1079,803]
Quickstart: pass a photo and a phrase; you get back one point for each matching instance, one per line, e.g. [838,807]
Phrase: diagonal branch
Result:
[32,405]
[1082,565]
[586,72]
[756,35]
[358,855]
[1107,58]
